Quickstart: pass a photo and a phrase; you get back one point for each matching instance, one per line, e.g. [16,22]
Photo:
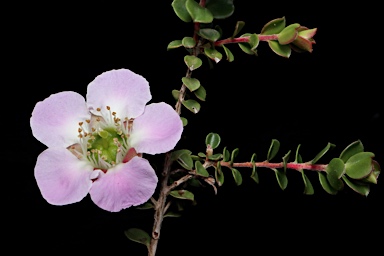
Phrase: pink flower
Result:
[95,145]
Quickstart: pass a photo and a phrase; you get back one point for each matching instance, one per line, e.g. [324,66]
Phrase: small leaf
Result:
[235,152]
[145,206]
[184,120]
[215,157]
[238,28]
[191,83]
[229,54]
[213,139]
[175,94]
[335,182]
[226,155]
[200,169]
[219,175]
[201,154]
[336,166]
[182,194]
[273,27]
[181,11]
[198,13]
[138,235]
[220,9]
[192,62]
[201,93]
[281,50]
[308,188]
[273,149]
[359,165]
[254,174]
[322,152]
[281,178]
[351,149]
[209,34]
[185,160]
[285,160]
[188,42]
[288,34]
[177,153]
[325,184]
[297,154]
[237,176]
[192,105]
[172,214]
[251,45]
[362,189]
[174,44]
[213,54]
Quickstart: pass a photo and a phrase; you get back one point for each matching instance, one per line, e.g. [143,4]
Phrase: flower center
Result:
[103,140]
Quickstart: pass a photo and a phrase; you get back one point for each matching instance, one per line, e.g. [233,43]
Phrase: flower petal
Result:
[62,178]
[156,131]
[55,120]
[125,92]
[125,185]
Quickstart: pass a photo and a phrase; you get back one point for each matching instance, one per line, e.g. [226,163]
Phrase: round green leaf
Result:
[188,42]
[192,62]
[213,139]
[191,83]
[351,149]
[288,34]
[336,168]
[273,149]
[359,165]
[182,194]
[184,120]
[175,94]
[209,34]
[192,105]
[174,44]
[281,50]
[213,54]
[273,27]
[200,170]
[281,178]
[200,93]
[198,13]
[325,184]
[229,54]
[220,9]
[237,176]
[226,155]
[219,175]
[181,11]
[334,181]
[362,189]
[138,235]
[308,188]
[185,160]
[177,153]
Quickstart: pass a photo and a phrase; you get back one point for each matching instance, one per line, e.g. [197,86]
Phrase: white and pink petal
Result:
[55,120]
[156,131]
[124,91]
[128,184]
[61,177]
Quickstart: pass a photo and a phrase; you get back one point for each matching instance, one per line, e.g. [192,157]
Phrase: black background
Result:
[330,95]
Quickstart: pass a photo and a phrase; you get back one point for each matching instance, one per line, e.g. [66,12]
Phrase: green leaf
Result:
[200,169]
[138,235]
[251,45]
[177,153]
[229,54]
[297,154]
[198,13]
[359,165]
[213,139]
[335,182]
[219,175]
[172,214]
[308,188]
[273,27]
[325,184]
[238,28]
[288,34]
[175,94]
[336,167]
[285,160]
[201,154]
[185,160]
[174,44]
[182,194]
[192,105]
[184,120]
[351,149]
[192,62]
[215,157]
[281,178]
[362,189]
[226,155]
[188,42]
[273,149]
[322,152]
[220,9]
[145,206]
[235,152]
[213,54]
[237,176]
[209,34]
[281,50]
[191,83]
[254,174]
[201,93]
[181,11]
